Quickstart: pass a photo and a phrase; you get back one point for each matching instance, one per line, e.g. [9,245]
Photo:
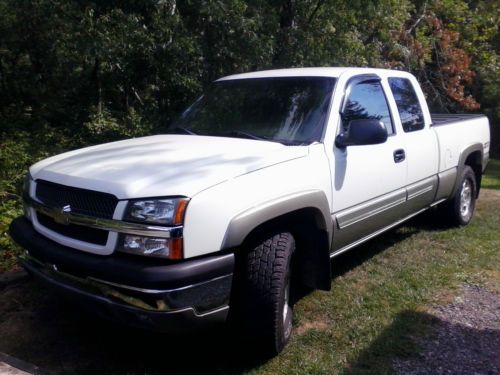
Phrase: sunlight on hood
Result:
[162,165]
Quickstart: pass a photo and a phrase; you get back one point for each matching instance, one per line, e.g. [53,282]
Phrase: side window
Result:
[366,100]
[409,108]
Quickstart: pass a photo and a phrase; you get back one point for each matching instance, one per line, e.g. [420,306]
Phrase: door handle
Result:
[399,155]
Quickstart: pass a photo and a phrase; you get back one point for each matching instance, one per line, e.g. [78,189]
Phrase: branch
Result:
[316,8]
[419,19]
[437,94]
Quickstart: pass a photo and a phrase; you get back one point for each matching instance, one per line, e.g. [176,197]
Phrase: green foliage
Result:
[14,159]
[71,63]
[103,127]
[17,152]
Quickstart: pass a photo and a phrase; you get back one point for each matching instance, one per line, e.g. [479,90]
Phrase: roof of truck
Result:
[304,72]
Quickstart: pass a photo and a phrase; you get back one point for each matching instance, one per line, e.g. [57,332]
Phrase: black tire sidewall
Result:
[285,327]
[467,174]
[262,299]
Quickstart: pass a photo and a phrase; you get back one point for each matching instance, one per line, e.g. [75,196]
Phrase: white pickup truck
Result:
[264,179]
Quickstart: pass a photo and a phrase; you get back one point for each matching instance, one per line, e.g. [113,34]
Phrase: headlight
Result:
[170,248]
[166,212]
[157,211]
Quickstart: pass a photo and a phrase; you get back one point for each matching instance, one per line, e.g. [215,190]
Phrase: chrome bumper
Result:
[160,310]
[156,294]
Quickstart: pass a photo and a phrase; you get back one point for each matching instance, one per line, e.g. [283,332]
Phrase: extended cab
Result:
[264,179]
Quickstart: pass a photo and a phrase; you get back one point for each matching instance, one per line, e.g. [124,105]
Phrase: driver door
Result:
[368,180]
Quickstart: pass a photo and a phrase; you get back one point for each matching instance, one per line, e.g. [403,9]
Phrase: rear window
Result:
[410,112]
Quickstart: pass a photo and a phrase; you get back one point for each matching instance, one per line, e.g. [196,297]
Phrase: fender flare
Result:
[466,152]
[242,224]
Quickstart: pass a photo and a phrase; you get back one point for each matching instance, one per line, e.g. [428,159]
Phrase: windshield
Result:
[290,110]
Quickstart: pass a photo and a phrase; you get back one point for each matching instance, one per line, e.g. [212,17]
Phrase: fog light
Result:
[151,246]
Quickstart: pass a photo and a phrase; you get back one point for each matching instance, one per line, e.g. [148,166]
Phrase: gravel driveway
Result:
[466,339]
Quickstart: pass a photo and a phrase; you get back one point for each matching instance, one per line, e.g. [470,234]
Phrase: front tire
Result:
[265,304]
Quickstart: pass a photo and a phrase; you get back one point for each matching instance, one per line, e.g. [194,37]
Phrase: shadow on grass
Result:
[59,337]
[420,343]
[343,263]
[399,340]
[431,220]
[358,255]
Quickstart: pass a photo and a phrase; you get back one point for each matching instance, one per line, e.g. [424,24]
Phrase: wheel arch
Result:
[471,156]
[307,216]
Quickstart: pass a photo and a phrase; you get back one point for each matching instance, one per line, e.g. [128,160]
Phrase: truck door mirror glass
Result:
[362,132]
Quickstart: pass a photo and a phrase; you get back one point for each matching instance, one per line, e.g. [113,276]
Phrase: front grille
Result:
[86,202]
[78,232]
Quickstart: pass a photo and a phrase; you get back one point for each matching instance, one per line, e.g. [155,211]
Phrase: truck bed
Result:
[439,119]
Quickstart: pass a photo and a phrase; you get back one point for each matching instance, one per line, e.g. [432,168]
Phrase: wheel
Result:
[460,208]
[265,304]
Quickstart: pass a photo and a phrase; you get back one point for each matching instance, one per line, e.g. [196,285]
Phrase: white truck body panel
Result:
[224,177]
[454,139]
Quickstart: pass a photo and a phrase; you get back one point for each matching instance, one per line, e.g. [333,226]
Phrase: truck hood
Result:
[162,165]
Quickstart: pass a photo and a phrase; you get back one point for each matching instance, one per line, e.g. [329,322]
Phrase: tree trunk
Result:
[98,86]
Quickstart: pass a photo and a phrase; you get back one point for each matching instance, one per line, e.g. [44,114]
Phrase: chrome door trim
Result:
[370,208]
[421,187]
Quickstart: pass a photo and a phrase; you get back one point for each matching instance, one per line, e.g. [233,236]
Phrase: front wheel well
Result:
[312,257]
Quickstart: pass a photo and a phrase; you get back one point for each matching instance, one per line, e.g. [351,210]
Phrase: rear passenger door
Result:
[421,144]
[368,181]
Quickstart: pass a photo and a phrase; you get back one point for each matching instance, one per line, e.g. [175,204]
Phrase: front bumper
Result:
[146,293]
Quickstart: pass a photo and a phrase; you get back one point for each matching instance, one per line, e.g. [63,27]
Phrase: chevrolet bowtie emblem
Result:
[62,217]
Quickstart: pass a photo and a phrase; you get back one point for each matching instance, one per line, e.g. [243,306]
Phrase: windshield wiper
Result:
[286,142]
[294,143]
[239,133]
[184,130]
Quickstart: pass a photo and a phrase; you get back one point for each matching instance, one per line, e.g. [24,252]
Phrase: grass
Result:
[377,306]
[491,179]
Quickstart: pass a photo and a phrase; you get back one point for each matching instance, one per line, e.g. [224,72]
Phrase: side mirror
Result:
[362,132]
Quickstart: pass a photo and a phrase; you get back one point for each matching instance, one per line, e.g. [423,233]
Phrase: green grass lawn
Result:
[491,178]
[377,306]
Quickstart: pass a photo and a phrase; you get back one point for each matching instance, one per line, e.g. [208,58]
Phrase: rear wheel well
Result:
[474,160]
[312,256]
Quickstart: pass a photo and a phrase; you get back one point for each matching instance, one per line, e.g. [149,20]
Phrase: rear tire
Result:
[459,210]
[265,303]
